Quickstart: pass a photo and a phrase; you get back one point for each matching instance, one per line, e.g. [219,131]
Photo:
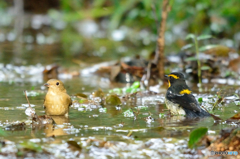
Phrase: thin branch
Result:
[27,99]
[33,115]
[159,57]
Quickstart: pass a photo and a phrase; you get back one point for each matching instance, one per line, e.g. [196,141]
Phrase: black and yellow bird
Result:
[57,101]
[179,98]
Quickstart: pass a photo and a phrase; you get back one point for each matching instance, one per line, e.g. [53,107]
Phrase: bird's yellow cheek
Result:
[169,84]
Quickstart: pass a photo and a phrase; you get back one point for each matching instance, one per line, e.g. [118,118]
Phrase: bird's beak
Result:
[46,84]
[166,76]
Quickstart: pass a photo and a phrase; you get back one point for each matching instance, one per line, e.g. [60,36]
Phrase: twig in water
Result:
[27,99]
[33,115]
[129,134]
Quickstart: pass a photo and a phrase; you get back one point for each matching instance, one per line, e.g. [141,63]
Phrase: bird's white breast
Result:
[174,108]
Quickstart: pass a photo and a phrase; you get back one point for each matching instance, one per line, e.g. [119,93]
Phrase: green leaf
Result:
[200,100]
[191,59]
[185,47]
[196,135]
[147,4]
[128,113]
[128,90]
[161,115]
[131,90]
[74,146]
[113,99]
[121,7]
[134,90]
[31,146]
[82,100]
[116,91]
[98,3]
[236,95]
[205,68]
[207,47]
[190,36]
[135,84]
[203,37]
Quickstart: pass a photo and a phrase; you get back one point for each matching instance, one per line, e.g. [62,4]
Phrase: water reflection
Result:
[57,129]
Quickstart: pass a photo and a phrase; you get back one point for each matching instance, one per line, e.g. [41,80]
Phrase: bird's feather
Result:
[187,101]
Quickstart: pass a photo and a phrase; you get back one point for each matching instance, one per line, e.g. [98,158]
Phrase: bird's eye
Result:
[57,83]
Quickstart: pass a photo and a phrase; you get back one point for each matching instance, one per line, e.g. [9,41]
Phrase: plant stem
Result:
[198,61]
[159,56]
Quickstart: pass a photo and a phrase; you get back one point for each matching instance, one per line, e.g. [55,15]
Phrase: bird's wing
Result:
[65,99]
[187,101]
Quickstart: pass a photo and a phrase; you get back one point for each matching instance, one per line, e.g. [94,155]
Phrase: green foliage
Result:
[200,100]
[30,146]
[206,47]
[128,12]
[3,5]
[128,113]
[191,59]
[205,68]
[132,89]
[195,42]
[135,84]
[161,115]
[196,135]
[199,13]
[116,90]
[200,17]
[203,37]
[82,100]
[113,99]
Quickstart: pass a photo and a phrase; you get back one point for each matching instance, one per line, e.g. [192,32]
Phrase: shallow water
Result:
[102,131]
[92,125]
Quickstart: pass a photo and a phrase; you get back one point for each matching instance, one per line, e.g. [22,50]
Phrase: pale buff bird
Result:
[57,101]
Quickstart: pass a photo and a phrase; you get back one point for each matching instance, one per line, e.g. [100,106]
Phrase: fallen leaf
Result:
[196,135]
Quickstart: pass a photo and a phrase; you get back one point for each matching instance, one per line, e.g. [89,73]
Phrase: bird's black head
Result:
[174,77]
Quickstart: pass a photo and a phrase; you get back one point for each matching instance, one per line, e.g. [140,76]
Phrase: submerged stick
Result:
[33,113]
[40,119]
[129,134]
[27,99]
